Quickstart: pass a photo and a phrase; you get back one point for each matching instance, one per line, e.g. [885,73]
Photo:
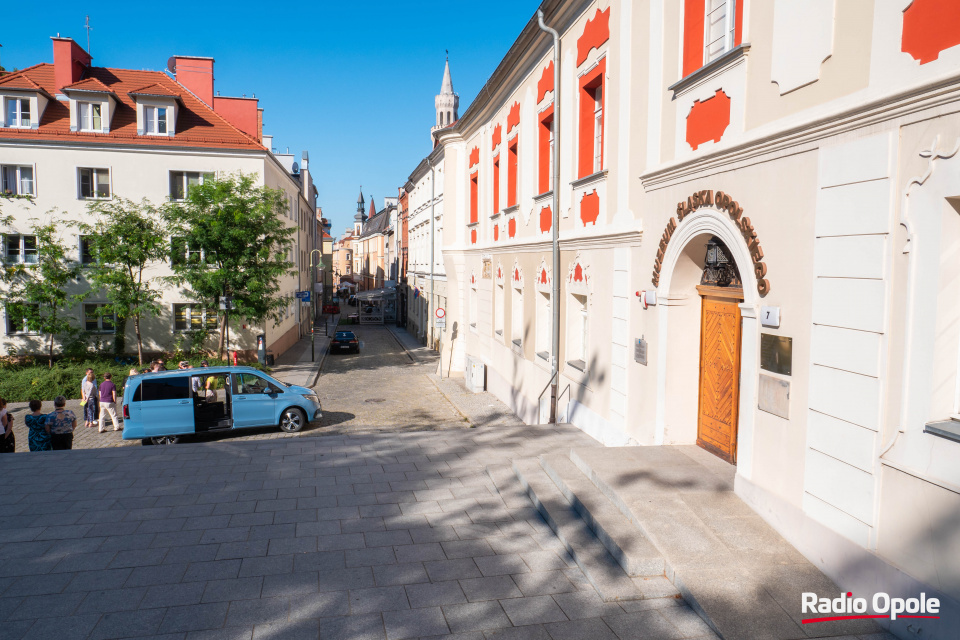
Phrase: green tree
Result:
[231,241]
[38,290]
[123,239]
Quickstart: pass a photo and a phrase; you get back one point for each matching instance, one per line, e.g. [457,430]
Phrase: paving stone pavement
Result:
[386,535]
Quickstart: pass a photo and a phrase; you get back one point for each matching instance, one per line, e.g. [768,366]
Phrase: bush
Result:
[24,382]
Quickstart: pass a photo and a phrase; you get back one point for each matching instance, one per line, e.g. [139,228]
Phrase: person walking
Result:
[61,422]
[88,398]
[8,443]
[38,434]
[108,402]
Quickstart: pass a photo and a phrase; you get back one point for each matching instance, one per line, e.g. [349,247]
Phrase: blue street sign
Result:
[303,295]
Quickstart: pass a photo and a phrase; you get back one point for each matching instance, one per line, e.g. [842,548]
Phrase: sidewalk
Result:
[296,367]
[419,352]
[480,409]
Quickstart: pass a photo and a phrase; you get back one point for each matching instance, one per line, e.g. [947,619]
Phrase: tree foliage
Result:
[231,240]
[38,290]
[124,238]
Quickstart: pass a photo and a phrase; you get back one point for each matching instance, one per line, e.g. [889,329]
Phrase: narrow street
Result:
[382,388]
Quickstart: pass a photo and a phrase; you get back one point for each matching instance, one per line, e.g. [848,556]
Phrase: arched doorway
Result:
[721,292]
[707,326]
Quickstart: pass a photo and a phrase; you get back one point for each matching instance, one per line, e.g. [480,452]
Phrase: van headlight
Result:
[312,397]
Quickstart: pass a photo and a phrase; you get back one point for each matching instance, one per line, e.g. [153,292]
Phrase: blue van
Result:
[160,407]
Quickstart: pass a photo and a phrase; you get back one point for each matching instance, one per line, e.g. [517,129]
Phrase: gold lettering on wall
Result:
[723,202]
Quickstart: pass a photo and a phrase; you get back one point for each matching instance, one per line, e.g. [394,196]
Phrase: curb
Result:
[409,353]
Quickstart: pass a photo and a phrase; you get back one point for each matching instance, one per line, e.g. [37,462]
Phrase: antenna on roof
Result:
[88,28]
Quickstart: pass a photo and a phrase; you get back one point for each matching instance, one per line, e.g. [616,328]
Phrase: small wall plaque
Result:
[640,352]
[774,396]
[770,317]
[776,353]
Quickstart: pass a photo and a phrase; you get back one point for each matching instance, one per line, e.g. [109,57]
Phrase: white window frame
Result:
[152,120]
[95,173]
[498,311]
[578,322]
[473,307]
[100,328]
[516,316]
[189,317]
[81,240]
[597,128]
[183,177]
[17,171]
[21,245]
[544,320]
[550,159]
[26,330]
[87,123]
[17,121]
[729,26]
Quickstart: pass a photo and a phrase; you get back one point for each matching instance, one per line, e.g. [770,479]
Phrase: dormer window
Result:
[155,119]
[18,112]
[90,116]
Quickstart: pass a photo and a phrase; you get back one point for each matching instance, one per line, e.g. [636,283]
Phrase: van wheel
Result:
[292,420]
[165,440]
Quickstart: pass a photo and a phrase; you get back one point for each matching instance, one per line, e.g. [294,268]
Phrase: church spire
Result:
[446,89]
[447,102]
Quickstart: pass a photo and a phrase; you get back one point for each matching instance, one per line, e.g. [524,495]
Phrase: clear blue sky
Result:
[351,82]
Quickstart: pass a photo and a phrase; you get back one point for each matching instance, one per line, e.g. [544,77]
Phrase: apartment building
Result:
[72,133]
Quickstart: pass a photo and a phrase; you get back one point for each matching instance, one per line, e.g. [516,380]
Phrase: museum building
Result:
[759,231]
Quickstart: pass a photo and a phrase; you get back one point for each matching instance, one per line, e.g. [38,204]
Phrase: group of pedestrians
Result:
[45,431]
[54,430]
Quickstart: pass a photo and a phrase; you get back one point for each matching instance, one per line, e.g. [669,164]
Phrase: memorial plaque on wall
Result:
[640,352]
[776,353]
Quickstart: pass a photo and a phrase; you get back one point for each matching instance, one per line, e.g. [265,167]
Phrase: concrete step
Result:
[730,566]
[631,549]
[600,568]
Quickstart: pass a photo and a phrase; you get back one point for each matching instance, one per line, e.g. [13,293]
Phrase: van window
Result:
[163,389]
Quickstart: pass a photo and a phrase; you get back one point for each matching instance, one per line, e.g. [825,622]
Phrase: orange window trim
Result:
[512,173]
[693,17]
[588,87]
[474,179]
[496,183]
[543,161]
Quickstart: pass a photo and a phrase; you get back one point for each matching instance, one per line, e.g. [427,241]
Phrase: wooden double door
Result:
[719,395]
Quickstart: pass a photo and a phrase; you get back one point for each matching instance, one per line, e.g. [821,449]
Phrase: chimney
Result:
[260,124]
[196,74]
[69,62]
[243,113]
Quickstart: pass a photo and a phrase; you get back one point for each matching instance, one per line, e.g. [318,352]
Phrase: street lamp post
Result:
[313,267]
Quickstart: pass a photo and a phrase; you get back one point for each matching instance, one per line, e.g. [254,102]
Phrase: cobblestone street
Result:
[381,388]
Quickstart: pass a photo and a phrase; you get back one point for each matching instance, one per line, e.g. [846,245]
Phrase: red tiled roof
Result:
[19,81]
[155,89]
[89,84]
[197,124]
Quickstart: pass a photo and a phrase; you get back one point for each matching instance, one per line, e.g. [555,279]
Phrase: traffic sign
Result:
[440,323]
[441,314]
[304,295]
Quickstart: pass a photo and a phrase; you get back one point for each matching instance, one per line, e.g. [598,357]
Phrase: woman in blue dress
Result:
[38,435]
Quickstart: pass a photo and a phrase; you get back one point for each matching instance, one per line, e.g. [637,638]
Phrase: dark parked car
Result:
[352,301]
[345,341]
[331,308]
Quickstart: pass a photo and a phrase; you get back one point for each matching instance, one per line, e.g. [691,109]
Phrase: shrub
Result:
[24,382]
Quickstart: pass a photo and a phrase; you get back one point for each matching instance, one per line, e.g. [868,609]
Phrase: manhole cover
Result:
[375,400]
